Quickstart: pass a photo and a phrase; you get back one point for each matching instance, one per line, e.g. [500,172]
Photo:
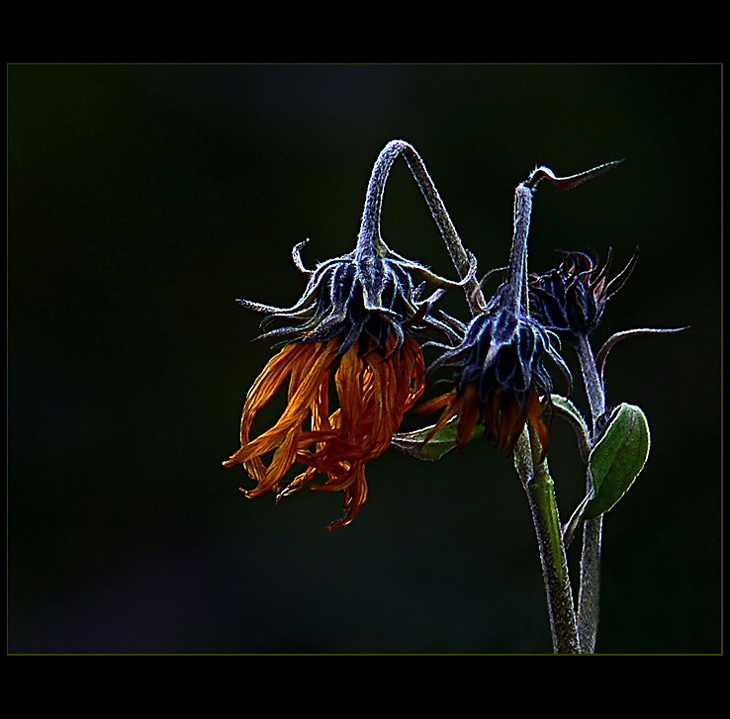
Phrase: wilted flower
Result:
[501,375]
[571,298]
[363,337]
[351,337]
[501,382]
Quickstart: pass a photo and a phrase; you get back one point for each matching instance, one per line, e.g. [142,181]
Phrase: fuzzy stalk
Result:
[590,564]
[538,485]
[370,243]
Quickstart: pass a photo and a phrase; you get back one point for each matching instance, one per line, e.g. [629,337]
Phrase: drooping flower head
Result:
[571,298]
[353,363]
[501,381]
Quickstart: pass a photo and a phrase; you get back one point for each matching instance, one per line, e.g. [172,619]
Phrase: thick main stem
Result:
[539,487]
[590,567]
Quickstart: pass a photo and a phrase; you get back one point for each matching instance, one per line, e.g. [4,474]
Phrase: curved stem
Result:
[369,239]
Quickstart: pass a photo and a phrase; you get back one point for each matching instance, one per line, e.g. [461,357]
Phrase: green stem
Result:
[540,491]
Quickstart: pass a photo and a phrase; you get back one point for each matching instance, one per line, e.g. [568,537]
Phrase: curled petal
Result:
[309,364]
[296,254]
[620,279]
[374,389]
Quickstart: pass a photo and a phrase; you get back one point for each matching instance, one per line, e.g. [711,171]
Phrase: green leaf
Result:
[412,443]
[617,459]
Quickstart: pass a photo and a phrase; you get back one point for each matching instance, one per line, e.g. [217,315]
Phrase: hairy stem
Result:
[538,485]
[518,252]
[370,241]
[591,379]
[590,566]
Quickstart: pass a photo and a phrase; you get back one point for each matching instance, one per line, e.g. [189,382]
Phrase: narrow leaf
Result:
[412,443]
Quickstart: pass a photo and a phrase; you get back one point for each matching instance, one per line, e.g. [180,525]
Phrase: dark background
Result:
[143,199]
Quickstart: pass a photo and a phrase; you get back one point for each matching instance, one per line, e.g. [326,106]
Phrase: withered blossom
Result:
[501,382]
[571,298]
[353,364]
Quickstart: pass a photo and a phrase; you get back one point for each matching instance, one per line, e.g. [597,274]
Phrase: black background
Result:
[143,199]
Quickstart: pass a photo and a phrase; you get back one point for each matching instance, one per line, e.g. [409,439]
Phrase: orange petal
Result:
[469,414]
[309,366]
[436,403]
